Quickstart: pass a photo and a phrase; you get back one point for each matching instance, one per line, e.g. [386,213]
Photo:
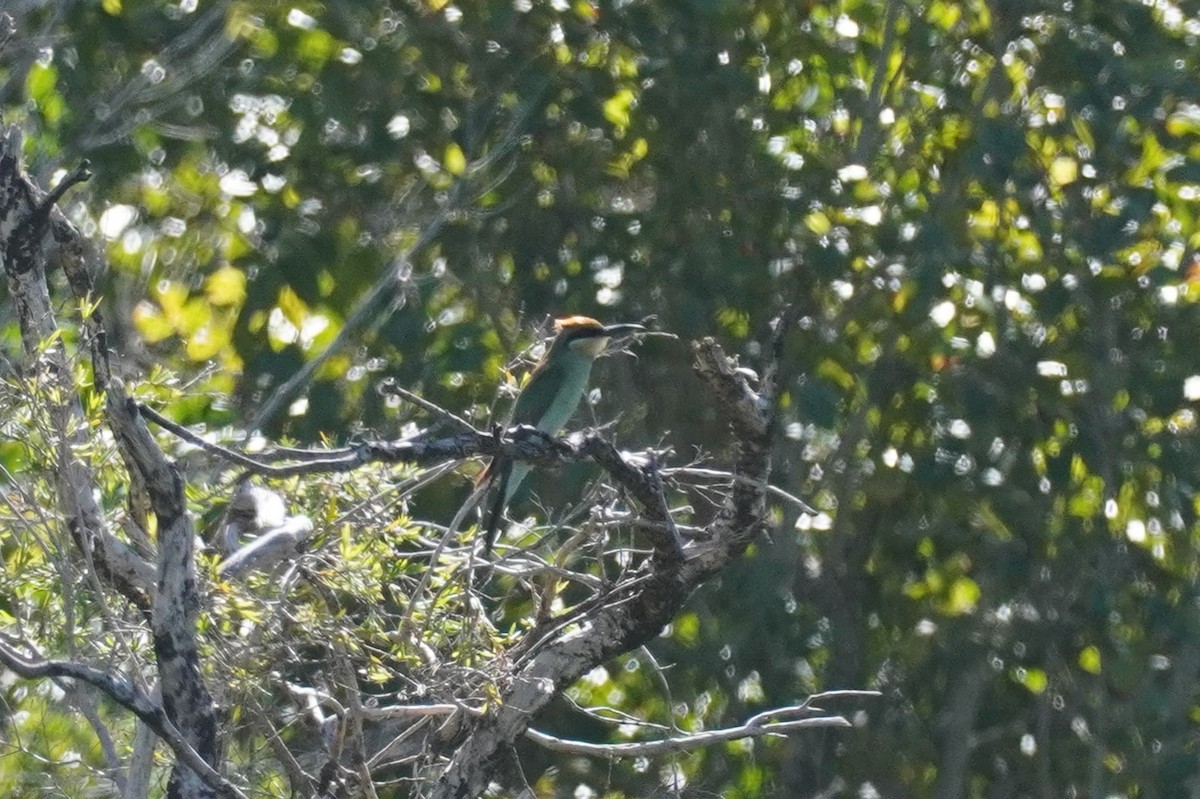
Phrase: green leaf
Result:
[454,160]
[963,596]
[617,108]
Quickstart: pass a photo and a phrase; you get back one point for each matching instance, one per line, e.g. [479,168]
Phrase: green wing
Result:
[535,399]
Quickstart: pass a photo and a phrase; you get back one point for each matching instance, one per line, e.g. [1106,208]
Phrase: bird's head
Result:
[587,337]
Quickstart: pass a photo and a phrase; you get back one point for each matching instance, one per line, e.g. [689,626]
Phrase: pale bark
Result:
[28,220]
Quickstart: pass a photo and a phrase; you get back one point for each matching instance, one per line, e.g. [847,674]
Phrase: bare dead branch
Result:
[718,474]
[418,711]
[681,743]
[390,387]
[131,698]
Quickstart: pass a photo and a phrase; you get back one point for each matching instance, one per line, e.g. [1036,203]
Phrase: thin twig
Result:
[317,461]
[717,474]
[418,711]
[7,29]
[379,760]
[354,722]
[681,743]
[389,386]
[451,530]
[654,474]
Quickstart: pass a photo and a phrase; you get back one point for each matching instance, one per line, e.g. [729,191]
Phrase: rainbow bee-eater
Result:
[550,398]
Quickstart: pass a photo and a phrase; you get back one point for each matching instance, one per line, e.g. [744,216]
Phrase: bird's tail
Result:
[501,478]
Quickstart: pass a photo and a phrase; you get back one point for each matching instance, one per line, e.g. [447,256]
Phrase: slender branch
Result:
[85,703]
[682,743]
[418,711]
[389,386]
[807,705]
[302,782]
[756,726]
[654,474]
[305,461]
[354,723]
[7,29]
[392,749]
[418,594]
[718,474]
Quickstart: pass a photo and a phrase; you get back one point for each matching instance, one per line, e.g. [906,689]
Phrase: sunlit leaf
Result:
[963,596]
[618,107]
[1089,660]
[226,286]
[454,160]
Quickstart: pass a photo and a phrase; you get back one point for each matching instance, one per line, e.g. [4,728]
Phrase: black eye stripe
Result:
[586,332]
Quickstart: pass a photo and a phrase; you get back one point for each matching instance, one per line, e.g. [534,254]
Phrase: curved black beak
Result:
[627,327]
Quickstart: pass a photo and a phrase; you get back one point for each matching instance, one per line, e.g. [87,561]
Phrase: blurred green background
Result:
[983,212]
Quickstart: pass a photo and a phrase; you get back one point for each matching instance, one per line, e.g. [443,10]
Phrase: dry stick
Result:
[607,714]
[379,759]
[389,386]
[683,743]
[665,683]
[85,704]
[301,781]
[664,509]
[696,471]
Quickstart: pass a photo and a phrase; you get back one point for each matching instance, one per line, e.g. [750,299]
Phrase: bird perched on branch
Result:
[550,398]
